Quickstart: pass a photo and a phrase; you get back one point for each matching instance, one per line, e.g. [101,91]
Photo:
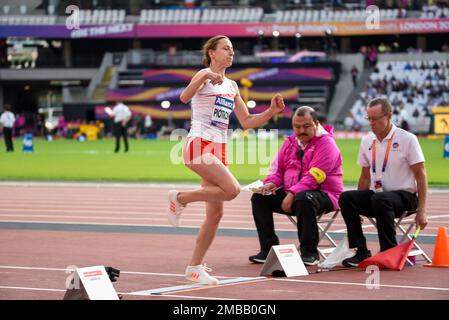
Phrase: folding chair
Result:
[324,223]
[405,226]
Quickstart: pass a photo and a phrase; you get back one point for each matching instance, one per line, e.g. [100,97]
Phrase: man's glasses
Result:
[372,119]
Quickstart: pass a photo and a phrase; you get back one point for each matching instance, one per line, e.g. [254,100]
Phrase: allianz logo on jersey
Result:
[223,102]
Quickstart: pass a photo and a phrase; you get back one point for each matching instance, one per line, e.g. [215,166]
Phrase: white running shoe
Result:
[200,274]
[174,208]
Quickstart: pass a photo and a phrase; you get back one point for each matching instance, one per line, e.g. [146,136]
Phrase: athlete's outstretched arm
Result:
[248,121]
[197,83]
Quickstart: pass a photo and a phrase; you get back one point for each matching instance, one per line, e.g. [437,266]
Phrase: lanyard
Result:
[387,153]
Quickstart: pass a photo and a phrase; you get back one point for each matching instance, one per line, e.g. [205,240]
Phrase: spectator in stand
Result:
[372,55]
[383,48]
[445,47]
[403,118]
[364,51]
[354,74]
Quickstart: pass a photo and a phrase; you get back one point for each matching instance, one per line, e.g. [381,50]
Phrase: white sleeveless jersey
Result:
[211,110]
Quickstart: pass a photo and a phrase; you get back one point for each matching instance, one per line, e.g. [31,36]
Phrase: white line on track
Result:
[122,293]
[113,224]
[167,225]
[180,296]
[136,185]
[99,184]
[32,289]
[113,218]
[428,218]
[68,270]
[363,284]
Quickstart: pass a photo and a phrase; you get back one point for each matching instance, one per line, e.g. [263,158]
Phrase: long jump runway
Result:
[47,229]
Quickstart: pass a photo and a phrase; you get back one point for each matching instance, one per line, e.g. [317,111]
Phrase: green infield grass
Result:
[150,161]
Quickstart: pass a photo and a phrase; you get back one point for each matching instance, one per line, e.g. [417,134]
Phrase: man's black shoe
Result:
[310,259]
[355,260]
[259,258]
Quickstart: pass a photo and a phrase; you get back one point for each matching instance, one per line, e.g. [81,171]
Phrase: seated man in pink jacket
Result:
[305,180]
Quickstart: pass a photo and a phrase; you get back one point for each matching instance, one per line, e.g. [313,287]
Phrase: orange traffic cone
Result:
[441,252]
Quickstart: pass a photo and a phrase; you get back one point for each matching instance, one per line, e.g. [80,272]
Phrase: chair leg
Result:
[405,234]
[415,244]
[322,231]
[292,220]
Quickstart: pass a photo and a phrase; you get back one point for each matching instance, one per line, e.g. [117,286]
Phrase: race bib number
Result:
[221,113]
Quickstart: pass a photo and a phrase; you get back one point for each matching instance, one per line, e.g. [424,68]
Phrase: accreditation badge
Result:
[378,186]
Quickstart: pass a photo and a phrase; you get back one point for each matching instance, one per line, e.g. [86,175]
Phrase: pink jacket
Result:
[321,152]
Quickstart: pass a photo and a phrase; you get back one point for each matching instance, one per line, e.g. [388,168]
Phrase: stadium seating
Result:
[232,15]
[430,12]
[334,15]
[97,16]
[169,16]
[417,85]
[27,19]
[209,15]
[21,15]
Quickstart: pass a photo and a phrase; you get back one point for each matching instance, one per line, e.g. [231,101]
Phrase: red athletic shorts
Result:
[195,147]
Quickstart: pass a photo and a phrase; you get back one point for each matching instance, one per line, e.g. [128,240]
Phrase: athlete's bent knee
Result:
[232,192]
